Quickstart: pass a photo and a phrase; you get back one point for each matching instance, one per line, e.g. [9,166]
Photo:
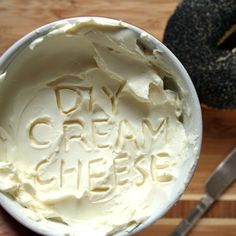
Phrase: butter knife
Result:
[216,184]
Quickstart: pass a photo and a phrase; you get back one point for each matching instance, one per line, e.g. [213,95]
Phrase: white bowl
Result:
[193,123]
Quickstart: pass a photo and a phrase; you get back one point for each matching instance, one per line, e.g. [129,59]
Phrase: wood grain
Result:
[18,17]
[205,227]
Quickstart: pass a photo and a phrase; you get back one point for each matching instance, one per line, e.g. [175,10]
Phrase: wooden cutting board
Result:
[18,17]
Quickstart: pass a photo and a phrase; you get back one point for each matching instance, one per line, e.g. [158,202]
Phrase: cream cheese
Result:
[91,134]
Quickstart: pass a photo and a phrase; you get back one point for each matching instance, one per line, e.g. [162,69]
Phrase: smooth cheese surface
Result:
[90,134]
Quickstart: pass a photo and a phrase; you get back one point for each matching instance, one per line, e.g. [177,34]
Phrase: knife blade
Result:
[221,178]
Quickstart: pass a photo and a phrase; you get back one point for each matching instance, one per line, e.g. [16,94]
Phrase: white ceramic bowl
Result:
[192,123]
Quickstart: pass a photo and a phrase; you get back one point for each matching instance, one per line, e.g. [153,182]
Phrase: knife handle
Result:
[186,224]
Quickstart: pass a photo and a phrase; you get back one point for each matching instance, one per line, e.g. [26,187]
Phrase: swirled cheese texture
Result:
[91,136]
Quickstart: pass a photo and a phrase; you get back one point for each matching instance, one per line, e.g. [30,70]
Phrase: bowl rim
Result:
[25,41]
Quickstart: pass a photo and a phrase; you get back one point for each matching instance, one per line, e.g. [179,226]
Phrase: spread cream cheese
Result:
[91,133]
